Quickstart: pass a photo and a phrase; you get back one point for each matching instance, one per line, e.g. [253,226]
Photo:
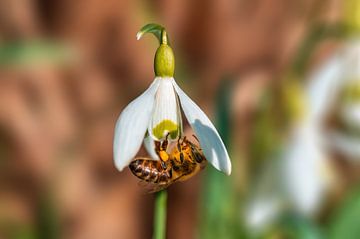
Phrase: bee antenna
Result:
[196,138]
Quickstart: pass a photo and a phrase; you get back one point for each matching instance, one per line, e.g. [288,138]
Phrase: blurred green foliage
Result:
[295,226]
[345,222]
[33,52]
[48,220]
[221,202]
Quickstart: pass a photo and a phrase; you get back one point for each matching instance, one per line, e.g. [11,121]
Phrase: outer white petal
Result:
[150,147]
[166,117]
[210,141]
[131,126]
[323,87]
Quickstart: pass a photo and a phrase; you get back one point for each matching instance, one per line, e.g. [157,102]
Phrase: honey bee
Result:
[184,161]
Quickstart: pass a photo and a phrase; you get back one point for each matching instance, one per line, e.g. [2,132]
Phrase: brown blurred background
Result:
[57,113]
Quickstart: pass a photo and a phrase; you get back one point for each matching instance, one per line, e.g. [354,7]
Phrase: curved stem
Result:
[160,215]
[157,30]
[164,37]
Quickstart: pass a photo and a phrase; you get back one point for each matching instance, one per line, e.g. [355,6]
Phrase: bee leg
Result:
[199,158]
[180,150]
[184,141]
[178,145]
[162,154]
[165,143]
[181,157]
[157,147]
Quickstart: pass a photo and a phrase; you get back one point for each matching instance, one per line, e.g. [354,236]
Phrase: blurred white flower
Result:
[296,181]
[157,113]
[301,176]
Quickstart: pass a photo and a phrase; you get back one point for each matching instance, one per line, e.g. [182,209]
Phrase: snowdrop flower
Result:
[301,177]
[157,113]
[298,180]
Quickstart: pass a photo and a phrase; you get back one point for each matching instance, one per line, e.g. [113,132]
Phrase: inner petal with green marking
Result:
[166,127]
[166,116]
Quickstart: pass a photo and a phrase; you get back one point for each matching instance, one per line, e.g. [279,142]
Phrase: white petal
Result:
[131,126]
[323,87]
[166,117]
[210,141]
[303,171]
[150,147]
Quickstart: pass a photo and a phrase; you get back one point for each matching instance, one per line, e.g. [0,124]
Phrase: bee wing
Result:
[153,187]
[159,187]
[156,187]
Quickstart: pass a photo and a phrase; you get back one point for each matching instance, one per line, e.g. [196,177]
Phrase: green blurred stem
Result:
[160,215]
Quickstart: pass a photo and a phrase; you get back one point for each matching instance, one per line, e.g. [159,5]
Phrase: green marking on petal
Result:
[164,127]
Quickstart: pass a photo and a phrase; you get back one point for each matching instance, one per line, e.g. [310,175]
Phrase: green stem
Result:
[160,215]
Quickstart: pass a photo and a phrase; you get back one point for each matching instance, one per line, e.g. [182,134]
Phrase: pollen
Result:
[163,156]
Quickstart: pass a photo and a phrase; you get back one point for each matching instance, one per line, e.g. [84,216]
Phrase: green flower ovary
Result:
[164,127]
[164,62]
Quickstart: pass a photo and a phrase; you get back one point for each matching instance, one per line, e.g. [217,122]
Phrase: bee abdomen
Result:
[145,170]
[136,167]
[164,177]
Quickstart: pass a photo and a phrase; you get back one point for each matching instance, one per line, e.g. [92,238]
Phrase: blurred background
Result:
[280,79]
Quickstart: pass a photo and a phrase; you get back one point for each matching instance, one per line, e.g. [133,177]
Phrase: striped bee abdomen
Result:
[150,171]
